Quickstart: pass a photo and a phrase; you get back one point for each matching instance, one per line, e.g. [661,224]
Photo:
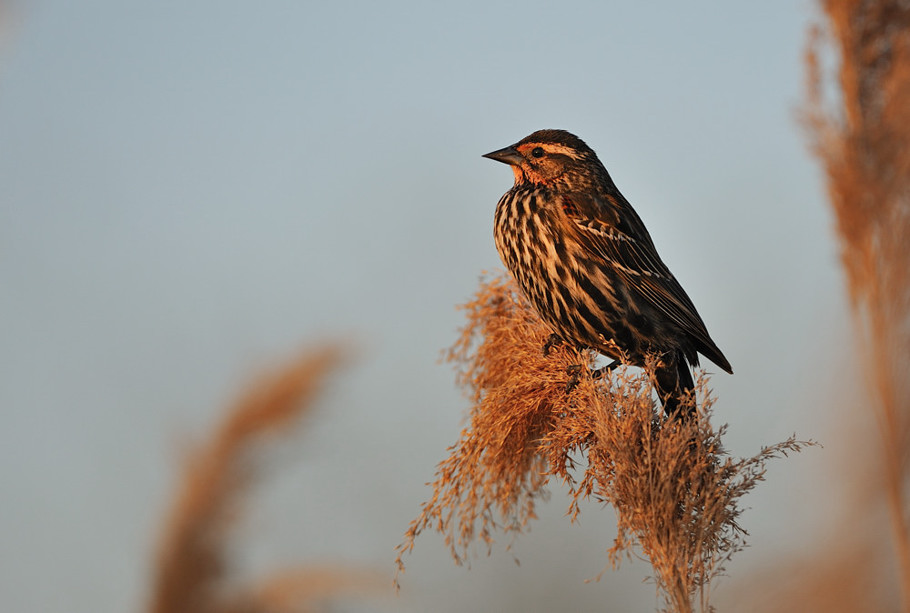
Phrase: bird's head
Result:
[547,156]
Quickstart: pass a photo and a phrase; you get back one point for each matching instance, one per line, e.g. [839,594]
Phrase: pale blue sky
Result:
[192,191]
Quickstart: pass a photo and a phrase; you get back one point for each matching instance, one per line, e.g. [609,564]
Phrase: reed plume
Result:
[675,491]
[193,573]
[861,136]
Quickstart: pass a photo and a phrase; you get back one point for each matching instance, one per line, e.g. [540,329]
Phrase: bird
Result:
[583,258]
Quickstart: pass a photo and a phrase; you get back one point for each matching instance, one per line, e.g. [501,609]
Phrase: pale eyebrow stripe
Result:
[553,148]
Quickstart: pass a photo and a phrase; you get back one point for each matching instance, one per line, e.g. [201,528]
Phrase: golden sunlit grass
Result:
[862,139]
[675,492]
[193,567]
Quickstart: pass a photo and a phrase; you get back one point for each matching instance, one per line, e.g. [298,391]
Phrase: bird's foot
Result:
[552,341]
[574,372]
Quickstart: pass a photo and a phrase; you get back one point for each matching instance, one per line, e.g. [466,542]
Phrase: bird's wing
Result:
[615,233]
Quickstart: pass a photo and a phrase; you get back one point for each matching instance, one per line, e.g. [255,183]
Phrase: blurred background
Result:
[191,192]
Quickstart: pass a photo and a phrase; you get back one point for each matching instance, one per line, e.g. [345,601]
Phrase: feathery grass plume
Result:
[675,490]
[675,493]
[862,139]
[192,572]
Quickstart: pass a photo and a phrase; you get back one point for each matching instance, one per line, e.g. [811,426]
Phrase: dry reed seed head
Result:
[861,136]
[193,562]
[497,472]
[674,491]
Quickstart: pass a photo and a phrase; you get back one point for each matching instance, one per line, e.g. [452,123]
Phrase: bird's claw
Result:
[574,372]
[552,341]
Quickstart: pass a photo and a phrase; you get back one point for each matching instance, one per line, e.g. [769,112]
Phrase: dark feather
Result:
[615,233]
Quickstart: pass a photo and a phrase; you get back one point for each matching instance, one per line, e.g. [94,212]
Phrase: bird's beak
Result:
[508,155]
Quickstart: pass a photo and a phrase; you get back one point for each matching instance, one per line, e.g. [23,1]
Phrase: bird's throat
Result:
[519,174]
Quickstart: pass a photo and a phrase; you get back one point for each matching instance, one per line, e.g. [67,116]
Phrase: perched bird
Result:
[582,256]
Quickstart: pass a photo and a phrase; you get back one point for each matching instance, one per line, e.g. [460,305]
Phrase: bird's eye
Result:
[537,152]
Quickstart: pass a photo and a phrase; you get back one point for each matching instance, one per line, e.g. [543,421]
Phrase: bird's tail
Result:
[674,381]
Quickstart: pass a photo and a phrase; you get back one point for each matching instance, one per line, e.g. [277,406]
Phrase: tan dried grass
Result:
[862,139]
[193,571]
[675,492]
